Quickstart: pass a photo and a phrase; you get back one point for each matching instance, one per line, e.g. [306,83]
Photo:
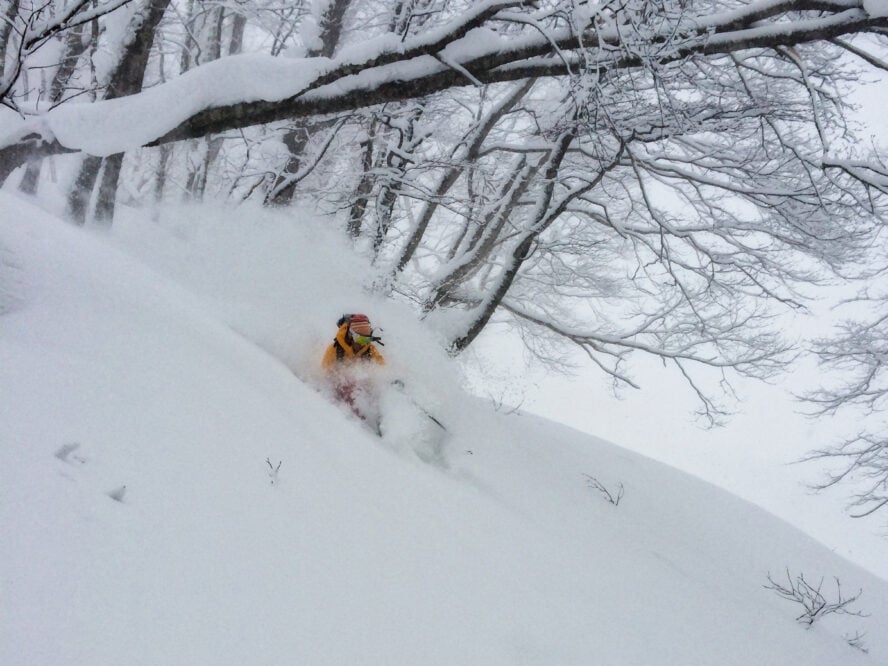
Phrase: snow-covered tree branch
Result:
[494,41]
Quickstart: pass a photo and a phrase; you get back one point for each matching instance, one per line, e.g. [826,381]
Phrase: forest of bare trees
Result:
[620,176]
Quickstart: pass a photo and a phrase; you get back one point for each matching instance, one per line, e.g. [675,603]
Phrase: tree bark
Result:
[365,185]
[81,192]
[125,79]
[106,197]
[6,24]
[197,178]
[75,46]
[297,139]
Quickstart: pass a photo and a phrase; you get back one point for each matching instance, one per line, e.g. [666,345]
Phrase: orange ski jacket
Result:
[342,351]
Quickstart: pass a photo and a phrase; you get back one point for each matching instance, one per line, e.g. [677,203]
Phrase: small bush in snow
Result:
[812,599]
[612,497]
[499,403]
[117,494]
[856,641]
[66,450]
[273,471]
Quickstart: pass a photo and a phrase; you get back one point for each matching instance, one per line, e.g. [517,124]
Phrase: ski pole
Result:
[398,384]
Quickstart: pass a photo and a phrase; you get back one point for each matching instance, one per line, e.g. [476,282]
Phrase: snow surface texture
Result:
[172,493]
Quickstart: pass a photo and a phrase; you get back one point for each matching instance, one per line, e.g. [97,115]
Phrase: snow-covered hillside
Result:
[175,488]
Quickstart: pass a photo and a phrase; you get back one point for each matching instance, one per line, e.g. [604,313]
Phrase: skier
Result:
[346,360]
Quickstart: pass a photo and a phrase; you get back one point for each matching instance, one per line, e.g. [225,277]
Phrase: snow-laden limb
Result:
[32,138]
[117,125]
[491,57]
[874,174]
[240,91]
[871,58]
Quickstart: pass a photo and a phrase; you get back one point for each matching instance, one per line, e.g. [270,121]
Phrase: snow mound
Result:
[174,494]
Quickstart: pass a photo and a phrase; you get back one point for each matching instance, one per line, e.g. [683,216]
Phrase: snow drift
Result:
[176,489]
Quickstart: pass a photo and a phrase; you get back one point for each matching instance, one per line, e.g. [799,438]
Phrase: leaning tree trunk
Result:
[543,213]
[540,219]
[482,242]
[462,159]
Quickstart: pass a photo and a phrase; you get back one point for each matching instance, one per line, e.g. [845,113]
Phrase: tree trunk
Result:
[396,163]
[125,79]
[196,184]
[297,139]
[107,194]
[6,23]
[75,46]
[31,177]
[81,192]
[239,23]
[284,187]
[365,186]
[161,173]
[540,220]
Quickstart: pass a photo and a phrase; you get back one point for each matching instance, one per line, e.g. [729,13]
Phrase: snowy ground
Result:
[143,400]
[755,455]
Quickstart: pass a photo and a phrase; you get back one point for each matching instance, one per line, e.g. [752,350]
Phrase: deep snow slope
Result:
[143,524]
